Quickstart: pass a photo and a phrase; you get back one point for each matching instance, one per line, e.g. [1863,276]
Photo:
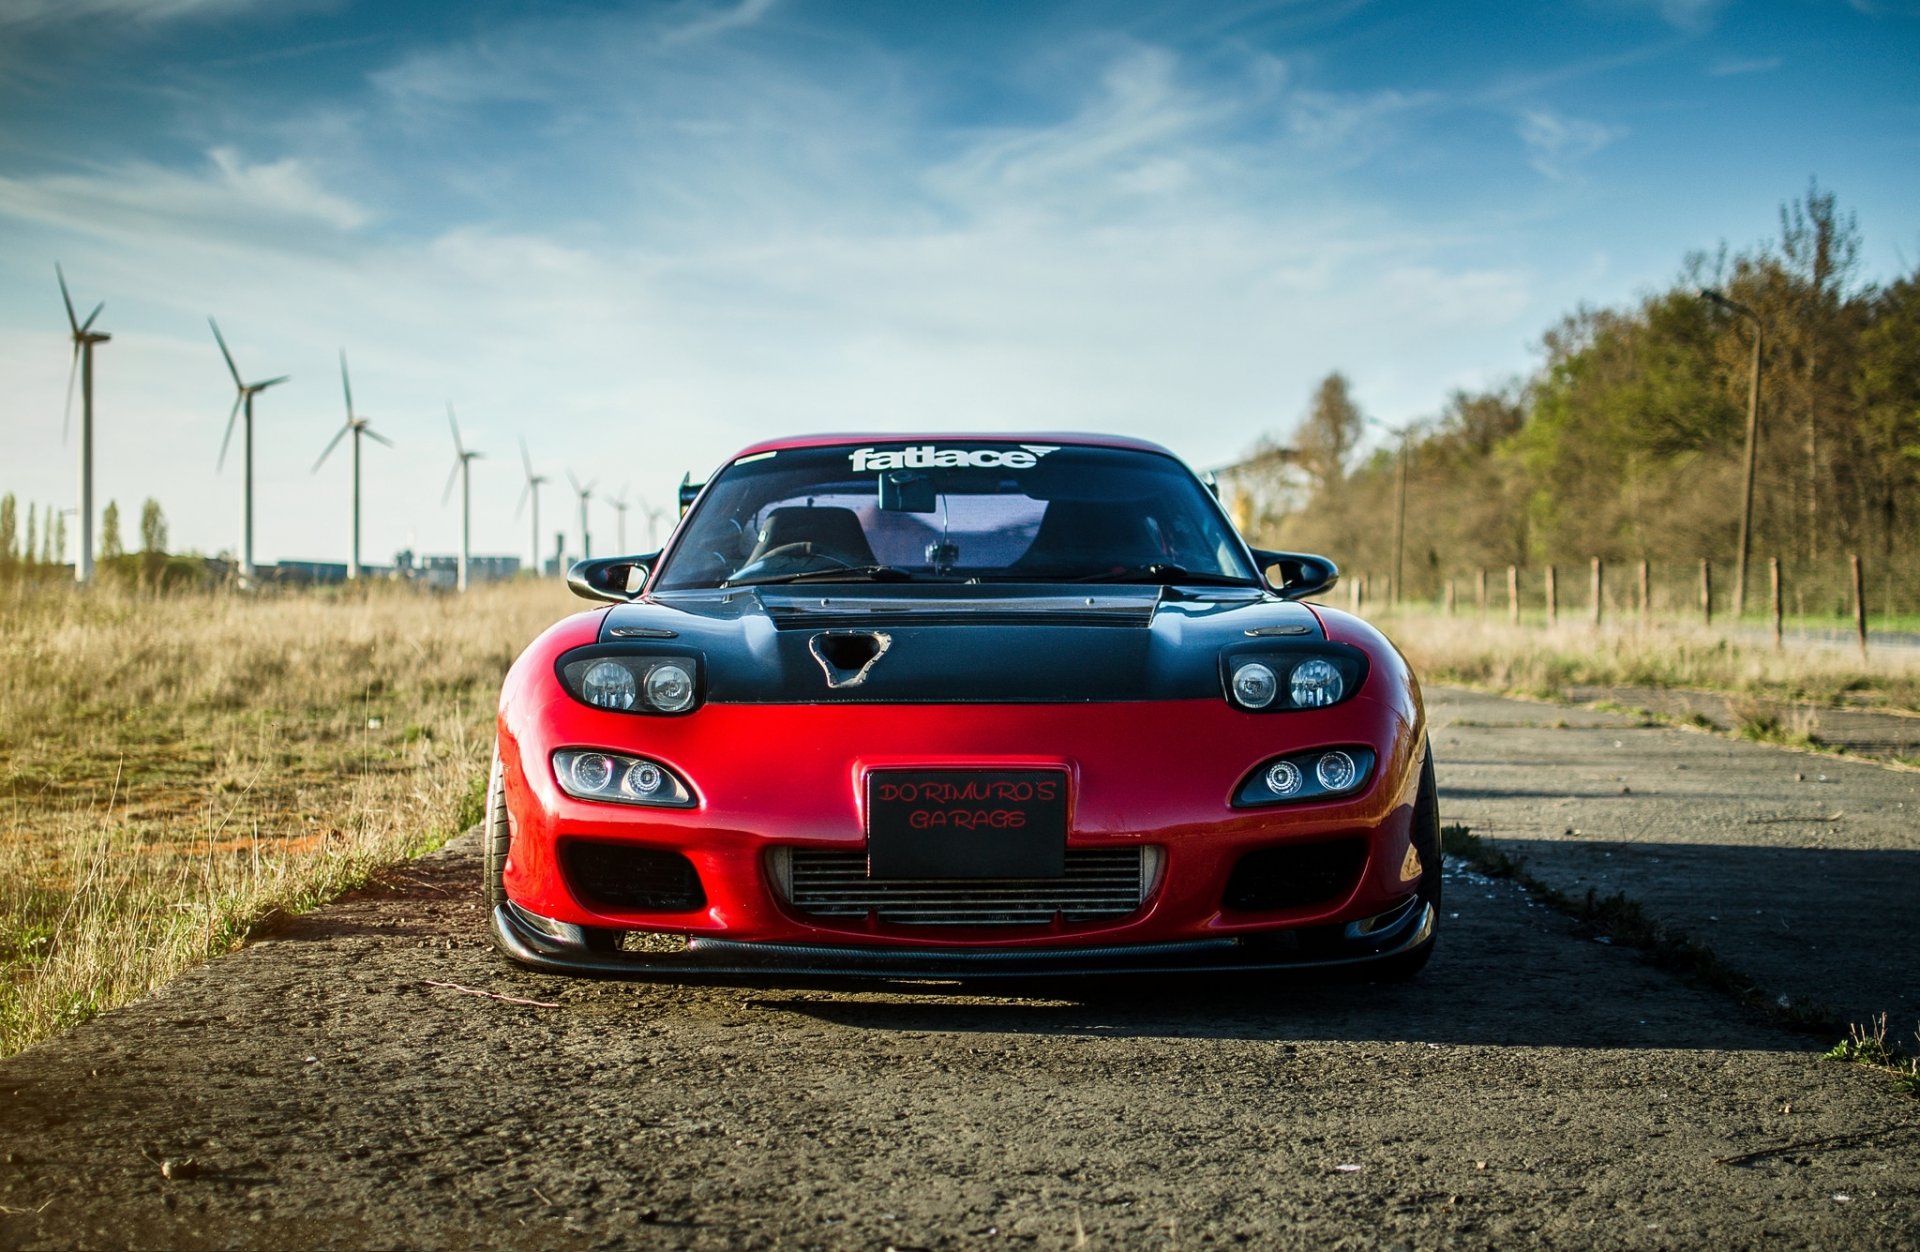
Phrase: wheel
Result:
[1426,840]
[495,834]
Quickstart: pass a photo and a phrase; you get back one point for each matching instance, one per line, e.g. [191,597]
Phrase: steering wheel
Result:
[802,550]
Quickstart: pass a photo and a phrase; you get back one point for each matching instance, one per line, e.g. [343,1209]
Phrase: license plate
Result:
[967,824]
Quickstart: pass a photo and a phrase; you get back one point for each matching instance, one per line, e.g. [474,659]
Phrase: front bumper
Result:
[559,947]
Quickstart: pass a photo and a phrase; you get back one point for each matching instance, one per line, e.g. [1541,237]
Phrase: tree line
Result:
[1628,441]
[37,544]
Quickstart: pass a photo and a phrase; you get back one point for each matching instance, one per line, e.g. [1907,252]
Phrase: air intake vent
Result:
[620,877]
[1100,884]
[1296,876]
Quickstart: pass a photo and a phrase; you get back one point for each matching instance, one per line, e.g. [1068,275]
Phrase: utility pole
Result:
[1753,424]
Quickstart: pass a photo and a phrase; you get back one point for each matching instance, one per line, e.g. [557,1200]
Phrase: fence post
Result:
[1449,597]
[1480,591]
[1859,602]
[1646,595]
[1553,596]
[1598,585]
[1353,595]
[1773,582]
[1513,594]
[1706,591]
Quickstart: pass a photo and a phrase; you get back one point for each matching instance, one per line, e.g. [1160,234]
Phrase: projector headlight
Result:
[1320,774]
[628,683]
[618,779]
[1264,678]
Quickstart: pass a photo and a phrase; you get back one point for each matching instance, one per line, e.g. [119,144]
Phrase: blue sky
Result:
[640,236]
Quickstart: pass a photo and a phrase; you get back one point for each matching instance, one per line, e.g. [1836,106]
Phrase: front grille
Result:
[620,877]
[1100,883]
[1294,876]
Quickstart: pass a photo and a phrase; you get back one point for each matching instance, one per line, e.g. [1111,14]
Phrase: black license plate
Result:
[967,823]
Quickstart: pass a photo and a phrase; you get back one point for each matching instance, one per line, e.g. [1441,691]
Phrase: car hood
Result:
[964,644]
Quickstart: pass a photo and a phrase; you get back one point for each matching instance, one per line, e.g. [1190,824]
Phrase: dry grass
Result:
[1545,661]
[176,770]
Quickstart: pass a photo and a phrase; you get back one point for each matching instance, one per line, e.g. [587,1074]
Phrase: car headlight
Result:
[1271,680]
[628,683]
[1321,774]
[617,778]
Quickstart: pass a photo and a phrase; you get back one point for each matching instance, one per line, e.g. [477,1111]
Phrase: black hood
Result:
[959,643]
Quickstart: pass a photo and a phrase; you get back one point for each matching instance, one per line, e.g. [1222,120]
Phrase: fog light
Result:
[591,771]
[643,778]
[1284,778]
[1254,685]
[1336,770]
[670,688]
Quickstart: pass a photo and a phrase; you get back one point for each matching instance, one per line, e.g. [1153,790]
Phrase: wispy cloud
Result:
[1557,144]
[272,201]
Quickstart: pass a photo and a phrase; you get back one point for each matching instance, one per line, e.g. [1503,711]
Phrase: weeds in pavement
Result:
[1622,921]
[1867,1045]
[177,769]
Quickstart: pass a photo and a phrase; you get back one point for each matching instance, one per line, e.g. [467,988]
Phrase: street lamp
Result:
[1400,504]
[1753,423]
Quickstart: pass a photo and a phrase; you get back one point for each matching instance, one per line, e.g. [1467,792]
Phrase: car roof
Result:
[865,438]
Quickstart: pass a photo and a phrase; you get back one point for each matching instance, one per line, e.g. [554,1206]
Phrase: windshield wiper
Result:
[839,573]
[1164,575]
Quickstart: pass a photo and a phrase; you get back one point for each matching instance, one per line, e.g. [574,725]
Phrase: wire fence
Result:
[1844,600]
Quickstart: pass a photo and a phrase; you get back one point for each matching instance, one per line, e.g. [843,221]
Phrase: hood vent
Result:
[845,656]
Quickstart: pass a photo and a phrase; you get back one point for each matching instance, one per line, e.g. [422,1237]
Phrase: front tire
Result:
[1426,840]
[496,835]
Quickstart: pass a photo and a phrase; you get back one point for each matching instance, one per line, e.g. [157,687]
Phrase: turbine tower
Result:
[358,426]
[653,524]
[242,400]
[620,507]
[462,460]
[531,492]
[84,337]
[585,493]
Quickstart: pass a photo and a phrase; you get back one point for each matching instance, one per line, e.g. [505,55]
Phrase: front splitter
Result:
[517,935]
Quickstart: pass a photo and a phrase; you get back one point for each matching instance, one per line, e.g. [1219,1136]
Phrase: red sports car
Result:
[960,706]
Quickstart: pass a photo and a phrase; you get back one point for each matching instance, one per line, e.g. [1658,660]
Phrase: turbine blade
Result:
[525,459]
[228,437]
[459,463]
[331,445]
[222,341]
[345,385]
[88,324]
[66,423]
[371,433]
[574,481]
[273,382]
[457,445]
[72,321]
[521,507]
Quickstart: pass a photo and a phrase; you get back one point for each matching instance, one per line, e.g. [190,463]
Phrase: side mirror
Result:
[1301,573]
[615,578]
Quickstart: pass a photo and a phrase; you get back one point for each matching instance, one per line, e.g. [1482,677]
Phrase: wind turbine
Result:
[242,400]
[358,426]
[653,524]
[84,337]
[531,492]
[462,460]
[620,507]
[585,493]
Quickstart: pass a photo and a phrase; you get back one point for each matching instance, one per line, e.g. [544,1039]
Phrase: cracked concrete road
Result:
[1533,1085]
[1799,870]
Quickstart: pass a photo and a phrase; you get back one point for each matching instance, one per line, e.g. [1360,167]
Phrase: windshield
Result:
[965,511]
